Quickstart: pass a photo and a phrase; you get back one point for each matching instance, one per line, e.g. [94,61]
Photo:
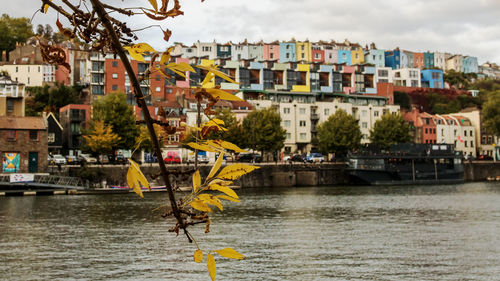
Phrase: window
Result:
[471,144]
[287,55]
[114,75]
[302,111]
[10,105]
[51,137]
[364,125]
[286,110]
[158,89]
[288,136]
[33,135]
[302,47]
[363,113]
[114,87]
[271,55]
[38,69]
[375,113]
[286,123]
[303,55]
[356,56]
[465,143]
[465,133]
[382,72]
[114,64]
[303,136]
[11,135]
[327,111]
[436,75]
[471,133]
[17,69]
[302,123]
[426,130]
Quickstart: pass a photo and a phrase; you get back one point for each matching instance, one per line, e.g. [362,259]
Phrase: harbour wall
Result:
[268,175]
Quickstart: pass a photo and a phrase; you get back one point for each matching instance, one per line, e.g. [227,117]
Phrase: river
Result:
[312,233]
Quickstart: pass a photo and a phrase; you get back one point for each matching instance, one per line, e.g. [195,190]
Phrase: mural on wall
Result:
[10,162]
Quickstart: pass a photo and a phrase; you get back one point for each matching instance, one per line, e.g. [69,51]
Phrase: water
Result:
[315,233]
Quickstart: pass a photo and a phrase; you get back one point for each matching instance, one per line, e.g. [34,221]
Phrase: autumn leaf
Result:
[135,178]
[154,4]
[196,181]
[235,171]
[229,146]
[202,147]
[165,56]
[230,253]
[46,7]
[200,206]
[137,50]
[212,200]
[225,189]
[211,266]
[198,256]
[215,71]
[166,35]
[216,167]
[228,198]
[223,95]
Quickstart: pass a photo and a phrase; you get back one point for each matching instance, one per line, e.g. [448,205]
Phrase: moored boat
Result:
[407,164]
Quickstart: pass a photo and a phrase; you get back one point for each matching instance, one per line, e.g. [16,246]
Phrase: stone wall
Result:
[269,174]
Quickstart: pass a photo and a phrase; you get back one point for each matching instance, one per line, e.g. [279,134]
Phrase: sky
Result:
[456,26]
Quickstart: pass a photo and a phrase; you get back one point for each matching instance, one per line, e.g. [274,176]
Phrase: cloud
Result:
[467,27]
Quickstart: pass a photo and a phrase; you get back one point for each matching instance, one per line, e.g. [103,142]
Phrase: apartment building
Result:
[407,77]
[11,97]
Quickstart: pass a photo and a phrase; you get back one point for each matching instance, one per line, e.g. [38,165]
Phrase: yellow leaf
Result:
[217,72]
[221,182]
[216,167]
[202,147]
[211,266]
[212,200]
[230,146]
[230,253]
[211,123]
[223,95]
[235,171]
[198,256]
[135,178]
[154,4]
[143,47]
[225,189]
[228,198]
[183,66]
[165,56]
[196,181]
[46,7]
[210,76]
[134,54]
[200,206]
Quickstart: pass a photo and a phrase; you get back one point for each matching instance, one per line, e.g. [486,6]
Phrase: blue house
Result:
[288,52]
[393,59]
[344,56]
[428,60]
[432,78]
[470,65]
[375,57]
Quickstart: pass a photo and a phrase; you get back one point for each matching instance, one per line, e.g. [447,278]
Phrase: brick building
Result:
[23,145]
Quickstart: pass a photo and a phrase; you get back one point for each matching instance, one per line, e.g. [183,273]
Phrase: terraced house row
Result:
[328,52]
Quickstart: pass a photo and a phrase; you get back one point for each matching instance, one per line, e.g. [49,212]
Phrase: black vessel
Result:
[407,164]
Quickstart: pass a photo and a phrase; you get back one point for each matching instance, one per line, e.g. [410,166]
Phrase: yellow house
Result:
[304,71]
[303,51]
[357,56]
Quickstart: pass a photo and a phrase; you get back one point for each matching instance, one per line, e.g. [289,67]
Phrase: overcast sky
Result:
[457,26]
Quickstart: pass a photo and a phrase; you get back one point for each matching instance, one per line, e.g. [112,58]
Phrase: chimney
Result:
[4,55]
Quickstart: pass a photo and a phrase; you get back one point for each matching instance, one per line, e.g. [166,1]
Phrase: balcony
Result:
[314,116]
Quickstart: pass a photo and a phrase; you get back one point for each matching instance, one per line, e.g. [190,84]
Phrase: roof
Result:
[22,123]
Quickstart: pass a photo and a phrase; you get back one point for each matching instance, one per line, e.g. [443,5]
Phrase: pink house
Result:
[272,51]
[183,83]
[348,78]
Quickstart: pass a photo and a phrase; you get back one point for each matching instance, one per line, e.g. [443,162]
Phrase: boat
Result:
[406,164]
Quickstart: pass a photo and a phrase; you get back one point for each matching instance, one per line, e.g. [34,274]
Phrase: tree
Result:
[390,129]
[144,142]
[113,110]
[12,31]
[47,98]
[234,128]
[263,131]
[339,134]
[491,113]
[101,139]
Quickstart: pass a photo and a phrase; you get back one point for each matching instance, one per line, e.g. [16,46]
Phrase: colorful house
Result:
[271,51]
[428,60]
[470,65]
[224,50]
[303,51]
[432,78]
[419,60]
[375,57]
[393,59]
[288,51]
[344,56]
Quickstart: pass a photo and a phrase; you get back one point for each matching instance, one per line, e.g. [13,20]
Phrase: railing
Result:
[57,182]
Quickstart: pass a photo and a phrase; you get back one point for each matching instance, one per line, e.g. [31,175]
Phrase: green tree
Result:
[339,134]
[114,110]
[51,99]
[262,131]
[12,31]
[390,129]
[491,113]
[143,141]
[234,128]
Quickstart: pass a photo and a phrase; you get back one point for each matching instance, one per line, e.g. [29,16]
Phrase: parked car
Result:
[119,159]
[202,158]
[249,157]
[315,158]
[484,157]
[72,160]
[172,159]
[297,158]
[87,159]
[50,160]
[103,159]
[58,159]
